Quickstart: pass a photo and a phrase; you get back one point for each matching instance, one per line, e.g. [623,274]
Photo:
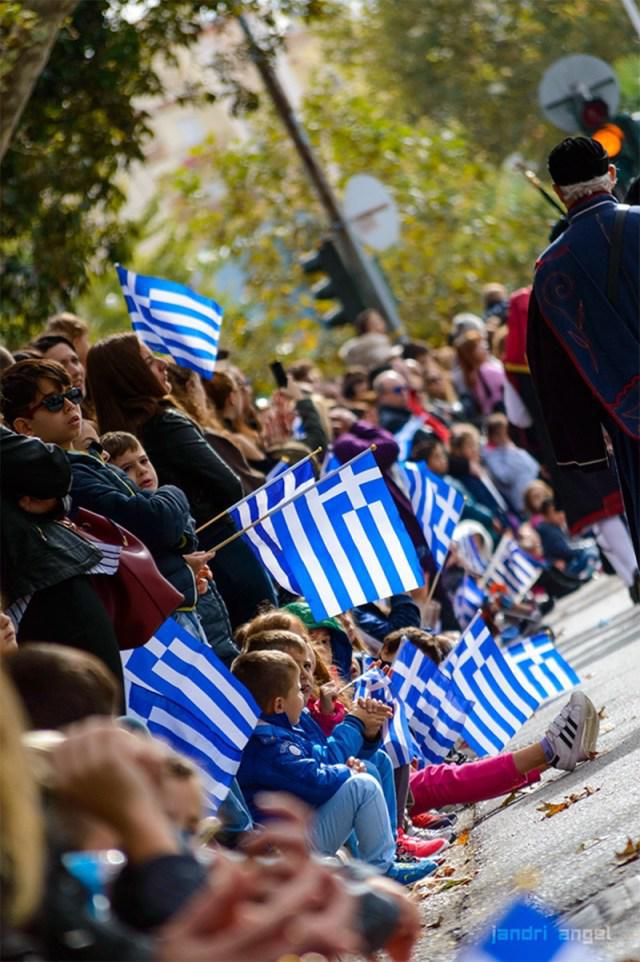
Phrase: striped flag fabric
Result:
[439,717]
[331,464]
[503,697]
[396,734]
[344,541]
[185,695]
[469,554]
[467,599]
[437,506]
[514,568]
[412,670]
[373,684]
[543,665]
[262,537]
[172,319]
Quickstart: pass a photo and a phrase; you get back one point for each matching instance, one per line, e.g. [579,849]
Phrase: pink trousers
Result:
[437,785]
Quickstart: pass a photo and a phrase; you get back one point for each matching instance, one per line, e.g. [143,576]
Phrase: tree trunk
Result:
[34,44]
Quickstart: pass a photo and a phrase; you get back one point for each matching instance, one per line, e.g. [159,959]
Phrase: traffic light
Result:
[340,284]
[619,135]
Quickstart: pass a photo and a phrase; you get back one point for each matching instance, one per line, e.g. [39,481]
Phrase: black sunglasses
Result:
[55,402]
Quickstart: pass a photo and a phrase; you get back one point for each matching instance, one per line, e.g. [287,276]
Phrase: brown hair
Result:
[218,388]
[117,443]
[276,640]
[180,378]
[436,647]
[535,493]
[19,385]
[59,685]
[465,346]
[125,392]
[68,324]
[461,433]
[496,424]
[272,620]
[267,674]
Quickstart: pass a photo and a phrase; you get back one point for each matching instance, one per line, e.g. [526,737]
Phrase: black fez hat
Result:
[577,159]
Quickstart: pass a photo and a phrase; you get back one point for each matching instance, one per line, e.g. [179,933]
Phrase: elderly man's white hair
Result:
[573,192]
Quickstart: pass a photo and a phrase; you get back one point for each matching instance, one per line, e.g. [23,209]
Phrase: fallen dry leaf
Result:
[446,871]
[630,853]
[602,712]
[511,798]
[463,837]
[552,808]
[434,886]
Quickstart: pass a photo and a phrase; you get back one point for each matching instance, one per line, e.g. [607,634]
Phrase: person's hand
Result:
[109,773]
[197,561]
[327,696]
[405,934]
[8,640]
[372,713]
[356,765]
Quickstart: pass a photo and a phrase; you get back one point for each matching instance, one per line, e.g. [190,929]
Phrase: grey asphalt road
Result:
[567,861]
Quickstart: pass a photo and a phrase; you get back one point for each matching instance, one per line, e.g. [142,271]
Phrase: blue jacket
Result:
[403,613]
[161,519]
[279,757]
[346,740]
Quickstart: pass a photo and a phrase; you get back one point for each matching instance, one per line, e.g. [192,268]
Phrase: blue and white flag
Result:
[439,717]
[412,669]
[262,537]
[469,554]
[344,541]
[373,684]
[514,568]
[172,319]
[397,739]
[331,463]
[525,933]
[468,598]
[543,665]
[437,506]
[184,694]
[503,697]
[405,435]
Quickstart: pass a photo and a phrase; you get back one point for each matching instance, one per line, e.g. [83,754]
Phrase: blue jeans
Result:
[190,621]
[357,806]
[379,765]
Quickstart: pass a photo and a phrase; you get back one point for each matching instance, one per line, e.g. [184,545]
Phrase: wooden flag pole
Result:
[434,583]
[257,491]
[283,504]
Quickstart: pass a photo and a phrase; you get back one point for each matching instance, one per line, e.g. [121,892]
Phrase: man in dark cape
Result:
[583,342]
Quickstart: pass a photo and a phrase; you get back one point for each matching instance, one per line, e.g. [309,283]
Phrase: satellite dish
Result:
[571,81]
[371,212]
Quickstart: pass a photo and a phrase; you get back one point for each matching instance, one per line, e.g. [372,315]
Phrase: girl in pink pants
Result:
[571,738]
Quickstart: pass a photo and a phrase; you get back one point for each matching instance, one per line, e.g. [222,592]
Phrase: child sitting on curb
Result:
[279,754]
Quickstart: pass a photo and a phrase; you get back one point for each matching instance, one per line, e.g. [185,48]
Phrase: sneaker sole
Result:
[591,726]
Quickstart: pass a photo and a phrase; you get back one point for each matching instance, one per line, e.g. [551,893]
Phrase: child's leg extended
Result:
[439,785]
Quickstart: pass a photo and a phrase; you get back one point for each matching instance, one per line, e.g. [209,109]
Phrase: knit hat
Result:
[577,159]
[302,611]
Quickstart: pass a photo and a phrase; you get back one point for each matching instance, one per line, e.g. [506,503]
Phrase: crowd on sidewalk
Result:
[107,445]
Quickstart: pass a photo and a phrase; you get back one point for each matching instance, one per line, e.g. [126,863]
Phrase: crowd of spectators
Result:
[95,806]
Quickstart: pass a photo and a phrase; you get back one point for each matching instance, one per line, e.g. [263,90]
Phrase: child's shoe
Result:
[433,820]
[572,735]
[426,834]
[421,848]
[406,873]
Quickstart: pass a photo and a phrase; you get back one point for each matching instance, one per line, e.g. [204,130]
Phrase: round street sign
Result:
[371,212]
[569,82]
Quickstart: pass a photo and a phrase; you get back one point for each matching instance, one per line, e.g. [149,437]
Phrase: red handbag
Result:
[137,597]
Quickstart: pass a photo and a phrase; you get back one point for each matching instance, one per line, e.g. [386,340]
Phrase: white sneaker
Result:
[573,733]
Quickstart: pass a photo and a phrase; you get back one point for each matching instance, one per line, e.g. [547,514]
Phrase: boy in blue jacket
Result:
[280,756]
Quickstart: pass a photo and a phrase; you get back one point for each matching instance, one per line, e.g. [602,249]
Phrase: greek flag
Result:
[525,933]
[436,505]
[514,568]
[185,695]
[373,684]
[396,735]
[262,538]
[172,319]
[412,670]
[543,665]
[439,717]
[344,541]
[504,698]
[331,463]
[469,554]
[467,599]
